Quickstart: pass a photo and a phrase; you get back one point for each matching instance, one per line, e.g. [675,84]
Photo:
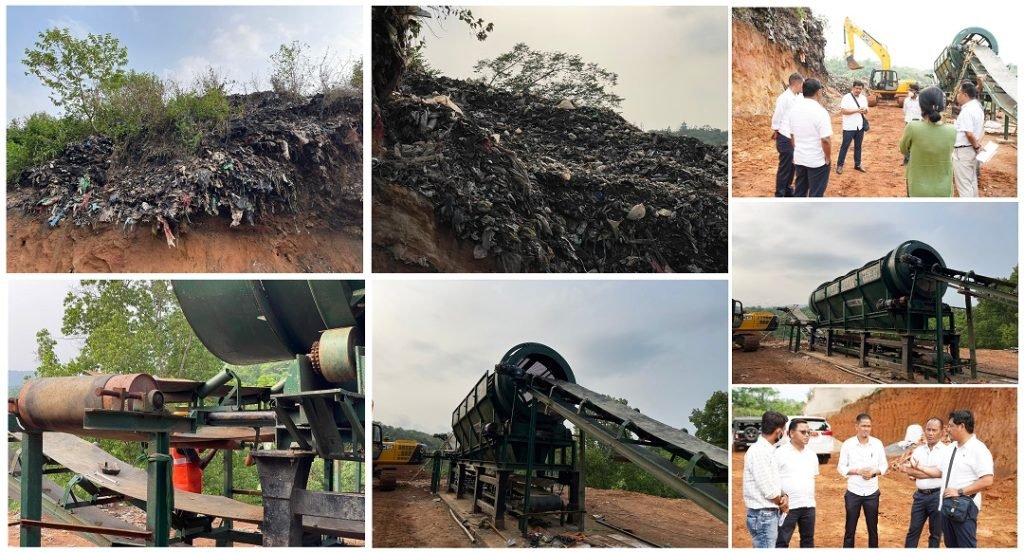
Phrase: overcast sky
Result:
[181,41]
[660,345]
[672,62]
[781,252]
[914,32]
[32,306]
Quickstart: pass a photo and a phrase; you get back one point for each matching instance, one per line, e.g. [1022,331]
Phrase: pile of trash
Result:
[275,155]
[796,29]
[542,186]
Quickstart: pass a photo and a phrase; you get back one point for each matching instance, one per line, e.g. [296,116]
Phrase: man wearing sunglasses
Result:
[762,491]
[798,466]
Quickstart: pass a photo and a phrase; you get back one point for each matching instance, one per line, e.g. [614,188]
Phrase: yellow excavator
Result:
[885,84]
[389,455]
[749,328]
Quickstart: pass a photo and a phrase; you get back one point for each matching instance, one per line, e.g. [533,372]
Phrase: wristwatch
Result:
[960,492]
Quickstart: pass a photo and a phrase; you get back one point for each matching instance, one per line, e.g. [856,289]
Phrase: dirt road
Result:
[754,160]
[997,524]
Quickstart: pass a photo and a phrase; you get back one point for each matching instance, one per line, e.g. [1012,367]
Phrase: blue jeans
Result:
[784,174]
[855,136]
[763,525]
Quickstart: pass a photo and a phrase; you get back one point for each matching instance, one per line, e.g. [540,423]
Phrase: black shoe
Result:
[839,169]
[859,168]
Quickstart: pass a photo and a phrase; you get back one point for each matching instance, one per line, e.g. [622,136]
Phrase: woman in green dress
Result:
[930,143]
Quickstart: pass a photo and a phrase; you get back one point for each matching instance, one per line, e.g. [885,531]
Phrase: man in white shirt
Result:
[861,461]
[911,111]
[966,471]
[798,466]
[780,133]
[854,108]
[931,454]
[970,129]
[811,130]
[762,490]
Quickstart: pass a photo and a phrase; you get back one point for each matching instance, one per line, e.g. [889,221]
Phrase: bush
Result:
[37,139]
[131,105]
[192,115]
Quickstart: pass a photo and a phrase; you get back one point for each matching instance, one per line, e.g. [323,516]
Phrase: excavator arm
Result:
[853,31]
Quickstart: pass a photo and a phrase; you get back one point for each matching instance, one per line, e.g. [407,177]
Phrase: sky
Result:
[661,345]
[32,306]
[914,35]
[672,62]
[181,41]
[782,252]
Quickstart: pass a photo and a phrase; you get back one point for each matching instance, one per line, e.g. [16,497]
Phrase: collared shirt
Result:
[911,110]
[783,104]
[972,462]
[971,119]
[797,470]
[809,123]
[930,458]
[856,120]
[854,456]
[760,476]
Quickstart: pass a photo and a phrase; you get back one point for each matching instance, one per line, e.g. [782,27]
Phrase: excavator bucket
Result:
[852,63]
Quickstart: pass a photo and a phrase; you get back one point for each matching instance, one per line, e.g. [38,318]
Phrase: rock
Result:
[566,104]
[637,212]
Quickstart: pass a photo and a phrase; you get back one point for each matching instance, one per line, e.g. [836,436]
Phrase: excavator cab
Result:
[884,80]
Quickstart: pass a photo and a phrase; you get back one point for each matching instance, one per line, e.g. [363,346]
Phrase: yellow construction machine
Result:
[389,455]
[885,83]
[749,328]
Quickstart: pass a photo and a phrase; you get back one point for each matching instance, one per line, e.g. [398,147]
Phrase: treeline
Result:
[706,133]
[395,433]
[754,401]
[88,80]
[841,73]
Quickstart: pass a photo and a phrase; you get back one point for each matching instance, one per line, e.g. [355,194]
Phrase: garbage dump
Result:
[274,155]
[550,186]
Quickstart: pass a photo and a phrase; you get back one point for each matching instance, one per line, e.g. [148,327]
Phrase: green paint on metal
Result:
[141,422]
[31,486]
[160,491]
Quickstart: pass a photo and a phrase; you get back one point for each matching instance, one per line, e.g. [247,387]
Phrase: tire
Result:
[824,458]
[751,433]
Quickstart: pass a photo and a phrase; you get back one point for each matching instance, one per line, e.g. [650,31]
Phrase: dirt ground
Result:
[754,160]
[281,245]
[772,363]
[410,517]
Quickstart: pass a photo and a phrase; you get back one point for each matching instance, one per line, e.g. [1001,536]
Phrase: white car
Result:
[822,443]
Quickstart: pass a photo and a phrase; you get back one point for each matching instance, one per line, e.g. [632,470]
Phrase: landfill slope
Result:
[468,178]
[283,172]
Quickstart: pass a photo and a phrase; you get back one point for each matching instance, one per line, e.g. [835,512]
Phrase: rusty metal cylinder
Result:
[59,404]
[334,355]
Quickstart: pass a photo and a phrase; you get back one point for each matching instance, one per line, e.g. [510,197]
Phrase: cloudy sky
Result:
[915,33]
[781,252]
[661,345]
[672,62]
[32,306]
[181,41]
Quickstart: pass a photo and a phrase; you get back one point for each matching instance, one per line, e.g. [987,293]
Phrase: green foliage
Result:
[37,139]
[706,134]
[291,69]
[995,324]
[842,73]
[356,80]
[131,105]
[552,75]
[75,69]
[399,433]
[712,422]
[192,114]
[754,401]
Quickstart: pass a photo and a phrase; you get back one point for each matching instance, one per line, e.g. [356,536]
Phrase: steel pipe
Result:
[59,404]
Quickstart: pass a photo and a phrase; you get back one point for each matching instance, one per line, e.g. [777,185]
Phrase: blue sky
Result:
[660,345]
[781,252]
[181,41]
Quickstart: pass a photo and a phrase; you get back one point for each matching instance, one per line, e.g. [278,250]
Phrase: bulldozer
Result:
[749,328]
[389,455]
[885,83]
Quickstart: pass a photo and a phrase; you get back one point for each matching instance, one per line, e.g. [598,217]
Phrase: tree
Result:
[75,69]
[553,75]
[356,80]
[712,423]
[754,401]
[291,69]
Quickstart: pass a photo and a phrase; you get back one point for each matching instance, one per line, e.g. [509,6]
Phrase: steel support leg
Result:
[229,488]
[940,354]
[524,520]
[460,485]
[578,494]
[500,498]
[863,350]
[281,472]
[31,486]
[970,338]
[828,343]
[160,491]
[907,356]
[478,489]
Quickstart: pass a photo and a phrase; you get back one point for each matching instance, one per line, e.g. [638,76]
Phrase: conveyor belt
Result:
[998,80]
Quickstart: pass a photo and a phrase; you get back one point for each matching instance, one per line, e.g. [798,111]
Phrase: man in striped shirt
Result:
[762,487]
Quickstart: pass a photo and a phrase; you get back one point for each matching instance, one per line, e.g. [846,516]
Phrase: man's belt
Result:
[929,491]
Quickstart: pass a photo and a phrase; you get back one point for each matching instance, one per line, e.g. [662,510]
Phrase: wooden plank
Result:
[83,457]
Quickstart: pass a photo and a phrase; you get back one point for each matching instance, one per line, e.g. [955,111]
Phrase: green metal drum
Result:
[884,294]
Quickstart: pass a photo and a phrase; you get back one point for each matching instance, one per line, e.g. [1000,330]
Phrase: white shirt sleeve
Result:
[824,124]
[883,462]
[983,464]
[777,116]
[844,460]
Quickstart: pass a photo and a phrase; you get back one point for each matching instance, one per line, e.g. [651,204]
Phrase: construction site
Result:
[885,322]
[513,471]
[892,411]
[68,491]
[768,44]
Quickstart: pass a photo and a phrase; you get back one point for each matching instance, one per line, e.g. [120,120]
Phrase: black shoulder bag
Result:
[955,508]
[866,126]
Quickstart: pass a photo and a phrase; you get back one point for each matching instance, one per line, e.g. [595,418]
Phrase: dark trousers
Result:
[784,175]
[854,503]
[926,507]
[855,136]
[961,535]
[811,182]
[797,517]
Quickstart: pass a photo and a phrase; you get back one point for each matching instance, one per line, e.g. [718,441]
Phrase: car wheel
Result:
[751,433]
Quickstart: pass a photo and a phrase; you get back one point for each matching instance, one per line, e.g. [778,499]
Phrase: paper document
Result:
[988,151]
